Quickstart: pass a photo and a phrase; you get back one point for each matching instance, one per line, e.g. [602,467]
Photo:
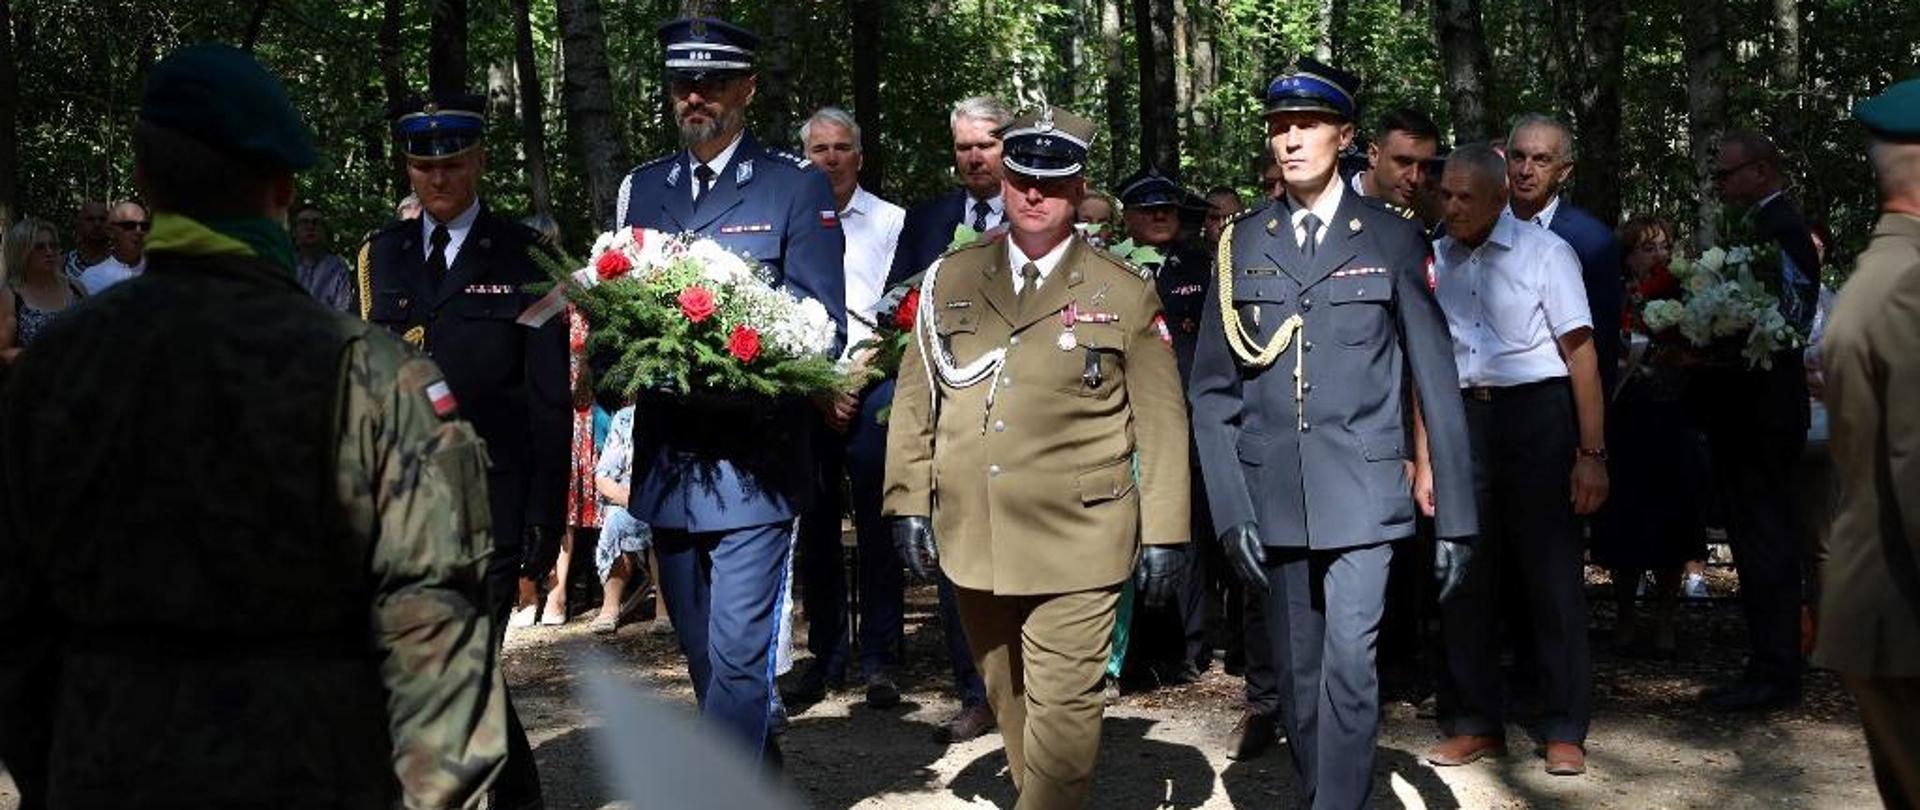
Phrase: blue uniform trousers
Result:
[725,592]
[824,577]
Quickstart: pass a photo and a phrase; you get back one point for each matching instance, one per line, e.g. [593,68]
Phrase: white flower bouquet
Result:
[1725,307]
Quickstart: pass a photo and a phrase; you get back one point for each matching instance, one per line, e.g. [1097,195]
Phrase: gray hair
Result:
[985,108]
[1480,159]
[835,116]
[1543,120]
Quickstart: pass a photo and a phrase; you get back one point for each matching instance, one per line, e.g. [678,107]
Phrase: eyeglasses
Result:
[131,224]
[42,245]
[1722,174]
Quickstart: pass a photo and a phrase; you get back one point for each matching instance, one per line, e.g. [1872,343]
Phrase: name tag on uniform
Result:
[1261,271]
[764,228]
[490,289]
[959,304]
[1188,289]
[1360,271]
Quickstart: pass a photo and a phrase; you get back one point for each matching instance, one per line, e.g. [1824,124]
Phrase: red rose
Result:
[696,302]
[909,308]
[639,238]
[611,265]
[744,344]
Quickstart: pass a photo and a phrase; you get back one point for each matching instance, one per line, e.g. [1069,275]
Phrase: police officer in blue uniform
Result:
[722,494]
[452,284]
[1173,642]
[1321,308]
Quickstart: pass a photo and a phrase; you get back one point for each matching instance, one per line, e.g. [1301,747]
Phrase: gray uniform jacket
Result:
[1330,473]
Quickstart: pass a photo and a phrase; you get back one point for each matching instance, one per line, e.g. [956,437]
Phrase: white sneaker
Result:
[1696,587]
[523,616]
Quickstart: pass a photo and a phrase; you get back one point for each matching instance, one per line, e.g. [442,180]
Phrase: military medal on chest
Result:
[1072,314]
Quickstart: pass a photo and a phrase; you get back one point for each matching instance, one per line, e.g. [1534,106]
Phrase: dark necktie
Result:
[1030,273]
[704,174]
[980,211]
[1311,224]
[437,257]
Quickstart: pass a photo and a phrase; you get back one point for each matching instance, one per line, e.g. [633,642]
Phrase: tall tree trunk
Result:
[9,117]
[1323,30]
[394,80]
[1790,123]
[253,26]
[1153,47]
[1119,123]
[1706,53]
[533,119]
[1592,35]
[1066,45]
[587,94]
[1204,75]
[447,48]
[1468,69]
[778,57]
[1182,75]
[869,20]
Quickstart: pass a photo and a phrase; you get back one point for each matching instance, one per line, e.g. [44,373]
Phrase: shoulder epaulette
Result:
[1246,212]
[784,155]
[655,162]
[1141,272]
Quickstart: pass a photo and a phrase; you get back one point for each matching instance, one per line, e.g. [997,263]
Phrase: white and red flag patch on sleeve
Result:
[440,396]
[829,219]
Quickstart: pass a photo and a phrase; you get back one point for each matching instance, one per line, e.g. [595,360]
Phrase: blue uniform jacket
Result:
[778,209]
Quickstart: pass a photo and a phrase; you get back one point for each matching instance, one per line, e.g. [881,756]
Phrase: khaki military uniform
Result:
[1042,477]
[229,582]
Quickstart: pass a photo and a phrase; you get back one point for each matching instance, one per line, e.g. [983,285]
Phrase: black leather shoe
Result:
[881,692]
[810,688]
[1751,696]
[1252,736]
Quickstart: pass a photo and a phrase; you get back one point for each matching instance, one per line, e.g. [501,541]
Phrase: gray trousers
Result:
[1323,617]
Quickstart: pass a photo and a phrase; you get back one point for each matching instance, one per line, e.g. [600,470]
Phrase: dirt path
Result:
[1651,746]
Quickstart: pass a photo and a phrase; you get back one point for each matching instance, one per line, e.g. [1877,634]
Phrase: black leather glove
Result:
[1159,574]
[1450,559]
[913,541]
[1247,554]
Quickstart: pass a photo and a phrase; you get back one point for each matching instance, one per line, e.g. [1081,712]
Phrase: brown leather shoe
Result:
[1465,748]
[1566,759]
[971,722]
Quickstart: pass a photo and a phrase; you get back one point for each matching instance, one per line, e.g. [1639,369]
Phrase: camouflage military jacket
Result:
[241,545]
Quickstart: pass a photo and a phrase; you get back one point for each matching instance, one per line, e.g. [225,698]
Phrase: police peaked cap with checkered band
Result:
[1310,85]
[696,47]
[1147,188]
[445,125]
[1049,142]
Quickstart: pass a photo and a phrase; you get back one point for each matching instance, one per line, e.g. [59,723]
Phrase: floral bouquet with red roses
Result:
[878,357]
[677,314]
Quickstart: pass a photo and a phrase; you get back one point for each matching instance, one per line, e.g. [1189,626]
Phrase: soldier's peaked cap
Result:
[218,95]
[697,46]
[1049,142]
[439,127]
[1894,115]
[1148,187]
[1310,85]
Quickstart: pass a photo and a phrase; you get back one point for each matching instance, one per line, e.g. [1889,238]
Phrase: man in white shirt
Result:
[854,441]
[1523,344]
[128,223]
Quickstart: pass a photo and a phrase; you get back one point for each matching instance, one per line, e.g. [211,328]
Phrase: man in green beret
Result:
[1870,607]
[242,537]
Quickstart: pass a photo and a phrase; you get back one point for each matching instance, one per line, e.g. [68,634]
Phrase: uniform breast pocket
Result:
[958,333]
[1359,308]
[390,306]
[760,246]
[1091,366]
[490,307]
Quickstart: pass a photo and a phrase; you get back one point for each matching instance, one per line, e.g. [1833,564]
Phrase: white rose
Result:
[1713,260]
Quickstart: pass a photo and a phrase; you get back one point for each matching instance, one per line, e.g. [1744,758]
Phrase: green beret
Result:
[1894,114]
[220,96]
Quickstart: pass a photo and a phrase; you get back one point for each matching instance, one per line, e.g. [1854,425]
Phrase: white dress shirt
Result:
[1017,259]
[872,228]
[1507,301]
[1543,219]
[996,213]
[457,231]
[718,164]
[108,272]
[1325,208]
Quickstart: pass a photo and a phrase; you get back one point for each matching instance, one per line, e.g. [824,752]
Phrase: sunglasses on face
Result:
[131,224]
[1722,174]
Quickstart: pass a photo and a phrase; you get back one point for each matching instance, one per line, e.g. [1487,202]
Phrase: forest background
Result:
[577,97]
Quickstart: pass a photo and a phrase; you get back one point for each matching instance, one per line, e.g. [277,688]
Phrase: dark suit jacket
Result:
[1781,222]
[1600,265]
[1338,480]
[510,381]
[927,231]
[1739,403]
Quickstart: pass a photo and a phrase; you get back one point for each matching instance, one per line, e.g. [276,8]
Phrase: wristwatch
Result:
[1596,453]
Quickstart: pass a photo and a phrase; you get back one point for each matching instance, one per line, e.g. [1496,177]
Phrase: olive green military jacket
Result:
[1870,607]
[242,541]
[1029,474]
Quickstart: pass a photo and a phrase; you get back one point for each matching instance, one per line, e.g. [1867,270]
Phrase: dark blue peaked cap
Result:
[697,46]
[1311,85]
[1148,187]
[443,126]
